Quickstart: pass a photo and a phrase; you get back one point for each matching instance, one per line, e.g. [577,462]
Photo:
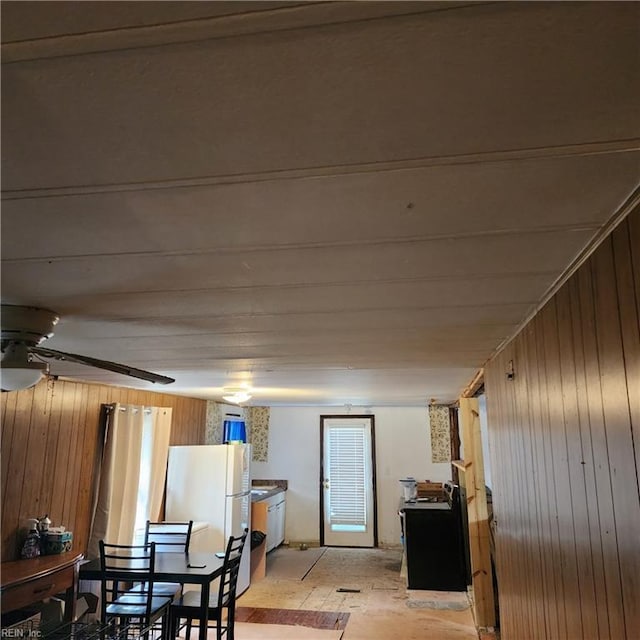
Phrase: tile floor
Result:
[381,608]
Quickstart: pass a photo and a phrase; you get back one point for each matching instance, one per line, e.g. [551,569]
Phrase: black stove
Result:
[434,541]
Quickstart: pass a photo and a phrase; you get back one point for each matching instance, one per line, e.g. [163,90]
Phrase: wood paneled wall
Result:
[49,443]
[564,436]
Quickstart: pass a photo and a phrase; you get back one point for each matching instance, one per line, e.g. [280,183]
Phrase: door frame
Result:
[350,416]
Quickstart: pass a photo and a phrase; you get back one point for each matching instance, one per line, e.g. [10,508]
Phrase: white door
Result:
[348,475]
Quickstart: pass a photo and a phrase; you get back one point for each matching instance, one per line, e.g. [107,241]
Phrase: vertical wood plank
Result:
[552,515]
[512,516]
[633,228]
[591,517]
[628,305]
[3,409]
[69,505]
[496,423]
[586,605]
[63,461]
[89,444]
[542,486]
[481,571]
[9,403]
[615,399]
[600,454]
[522,444]
[505,503]
[454,430]
[36,450]
[12,507]
[529,490]
[51,447]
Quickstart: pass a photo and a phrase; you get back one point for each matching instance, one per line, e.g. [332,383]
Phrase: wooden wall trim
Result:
[564,438]
[49,443]
[475,387]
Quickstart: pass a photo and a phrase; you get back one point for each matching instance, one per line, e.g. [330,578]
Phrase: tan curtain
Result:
[118,493]
[161,434]
[115,511]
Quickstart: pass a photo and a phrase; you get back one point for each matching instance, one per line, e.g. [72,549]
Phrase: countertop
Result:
[423,506]
[265,493]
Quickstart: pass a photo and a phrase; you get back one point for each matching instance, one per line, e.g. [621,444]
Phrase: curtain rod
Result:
[111,407]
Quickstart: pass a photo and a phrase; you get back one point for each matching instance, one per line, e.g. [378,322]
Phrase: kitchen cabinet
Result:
[268,508]
[275,520]
[281,510]
[271,526]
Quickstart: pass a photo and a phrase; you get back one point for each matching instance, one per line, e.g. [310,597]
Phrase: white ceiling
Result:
[334,203]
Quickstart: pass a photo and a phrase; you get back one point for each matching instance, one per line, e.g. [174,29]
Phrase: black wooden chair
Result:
[169,537]
[224,601]
[120,606]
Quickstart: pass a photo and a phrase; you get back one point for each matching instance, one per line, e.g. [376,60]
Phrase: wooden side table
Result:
[26,582]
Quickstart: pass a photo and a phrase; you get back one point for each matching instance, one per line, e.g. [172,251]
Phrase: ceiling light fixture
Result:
[18,370]
[236,396]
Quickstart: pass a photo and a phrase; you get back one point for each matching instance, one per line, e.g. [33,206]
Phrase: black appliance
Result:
[457,498]
[434,543]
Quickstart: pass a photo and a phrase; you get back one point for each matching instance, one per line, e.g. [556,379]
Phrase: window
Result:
[143,504]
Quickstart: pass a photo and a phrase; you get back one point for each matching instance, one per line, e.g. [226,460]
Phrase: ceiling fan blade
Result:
[102,364]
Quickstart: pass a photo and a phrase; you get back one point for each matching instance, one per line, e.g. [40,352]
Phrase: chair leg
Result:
[146,625]
[220,628]
[164,626]
[231,620]
[187,633]
[174,625]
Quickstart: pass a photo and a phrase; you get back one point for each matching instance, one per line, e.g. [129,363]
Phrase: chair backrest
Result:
[169,536]
[121,565]
[230,570]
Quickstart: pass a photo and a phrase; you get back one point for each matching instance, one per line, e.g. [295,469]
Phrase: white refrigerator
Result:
[212,484]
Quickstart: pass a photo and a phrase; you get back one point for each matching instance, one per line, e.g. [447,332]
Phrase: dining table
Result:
[196,568]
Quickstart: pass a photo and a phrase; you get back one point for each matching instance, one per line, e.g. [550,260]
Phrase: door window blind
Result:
[347,476]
